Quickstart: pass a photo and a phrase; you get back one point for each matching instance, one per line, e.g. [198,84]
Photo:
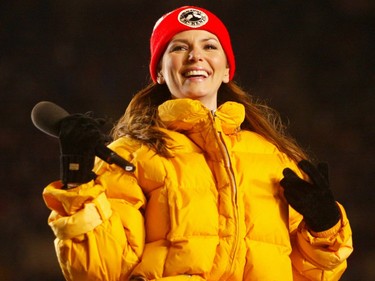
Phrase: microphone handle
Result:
[111,157]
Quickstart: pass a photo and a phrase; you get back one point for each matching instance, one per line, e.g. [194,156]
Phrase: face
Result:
[193,66]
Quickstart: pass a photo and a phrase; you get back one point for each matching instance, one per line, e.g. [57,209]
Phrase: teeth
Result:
[196,73]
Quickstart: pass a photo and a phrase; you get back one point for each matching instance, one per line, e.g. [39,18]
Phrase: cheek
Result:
[170,65]
[220,63]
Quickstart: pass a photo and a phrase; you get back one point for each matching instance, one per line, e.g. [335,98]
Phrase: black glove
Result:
[313,200]
[79,135]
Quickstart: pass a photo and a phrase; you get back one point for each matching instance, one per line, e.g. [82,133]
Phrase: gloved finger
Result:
[314,174]
[290,178]
[289,174]
[297,194]
[295,197]
[99,121]
[323,169]
[107,138]
[80,127]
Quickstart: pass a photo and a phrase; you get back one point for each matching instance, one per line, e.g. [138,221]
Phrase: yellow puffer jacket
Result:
[215,211]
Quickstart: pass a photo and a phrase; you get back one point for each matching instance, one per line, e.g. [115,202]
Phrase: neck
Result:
[209,102]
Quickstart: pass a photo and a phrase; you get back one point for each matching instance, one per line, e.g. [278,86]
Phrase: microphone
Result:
[46,116]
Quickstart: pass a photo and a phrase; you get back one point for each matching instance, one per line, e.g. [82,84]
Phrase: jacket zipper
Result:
[229,169]
[225,153]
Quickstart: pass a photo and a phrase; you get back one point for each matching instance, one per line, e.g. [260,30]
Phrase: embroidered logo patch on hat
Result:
[193,18]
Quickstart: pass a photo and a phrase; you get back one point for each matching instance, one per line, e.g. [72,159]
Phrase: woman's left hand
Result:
[314,200]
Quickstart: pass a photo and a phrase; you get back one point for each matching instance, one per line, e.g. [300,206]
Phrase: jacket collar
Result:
[187,115]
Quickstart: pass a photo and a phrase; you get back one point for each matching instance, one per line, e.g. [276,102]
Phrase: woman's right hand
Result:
[79,135]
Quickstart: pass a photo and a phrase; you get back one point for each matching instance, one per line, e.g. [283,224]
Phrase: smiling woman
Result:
[194,66]
[219,192]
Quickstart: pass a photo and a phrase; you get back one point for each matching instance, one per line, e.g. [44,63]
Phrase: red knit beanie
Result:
[187,18]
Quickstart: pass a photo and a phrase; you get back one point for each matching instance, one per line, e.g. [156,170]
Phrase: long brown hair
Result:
[141,120]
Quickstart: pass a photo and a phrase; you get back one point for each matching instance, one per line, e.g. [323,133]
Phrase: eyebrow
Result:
[187,41]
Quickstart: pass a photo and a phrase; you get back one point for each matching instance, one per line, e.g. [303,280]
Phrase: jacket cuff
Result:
[331,239]
[327,233]
[67,202]
[92,215]
[333,230]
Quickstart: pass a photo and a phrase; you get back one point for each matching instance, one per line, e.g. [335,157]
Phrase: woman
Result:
[219,191]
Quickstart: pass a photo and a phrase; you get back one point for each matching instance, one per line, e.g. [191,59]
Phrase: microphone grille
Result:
[46,116]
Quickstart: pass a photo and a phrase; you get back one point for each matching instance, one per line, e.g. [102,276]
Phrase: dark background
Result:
[311,60]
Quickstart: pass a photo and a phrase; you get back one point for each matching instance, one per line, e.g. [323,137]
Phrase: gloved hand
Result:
[314,200]
[79,135]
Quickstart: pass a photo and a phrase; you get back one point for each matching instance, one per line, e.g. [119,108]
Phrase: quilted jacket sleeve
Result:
[99,226]
[320,255]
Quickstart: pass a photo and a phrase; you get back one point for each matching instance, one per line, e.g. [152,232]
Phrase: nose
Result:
[195,55]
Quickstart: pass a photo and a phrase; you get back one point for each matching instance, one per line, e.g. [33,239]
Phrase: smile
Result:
[196,73]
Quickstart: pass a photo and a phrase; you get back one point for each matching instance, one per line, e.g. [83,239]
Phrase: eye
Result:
[176,48]
[210,47]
